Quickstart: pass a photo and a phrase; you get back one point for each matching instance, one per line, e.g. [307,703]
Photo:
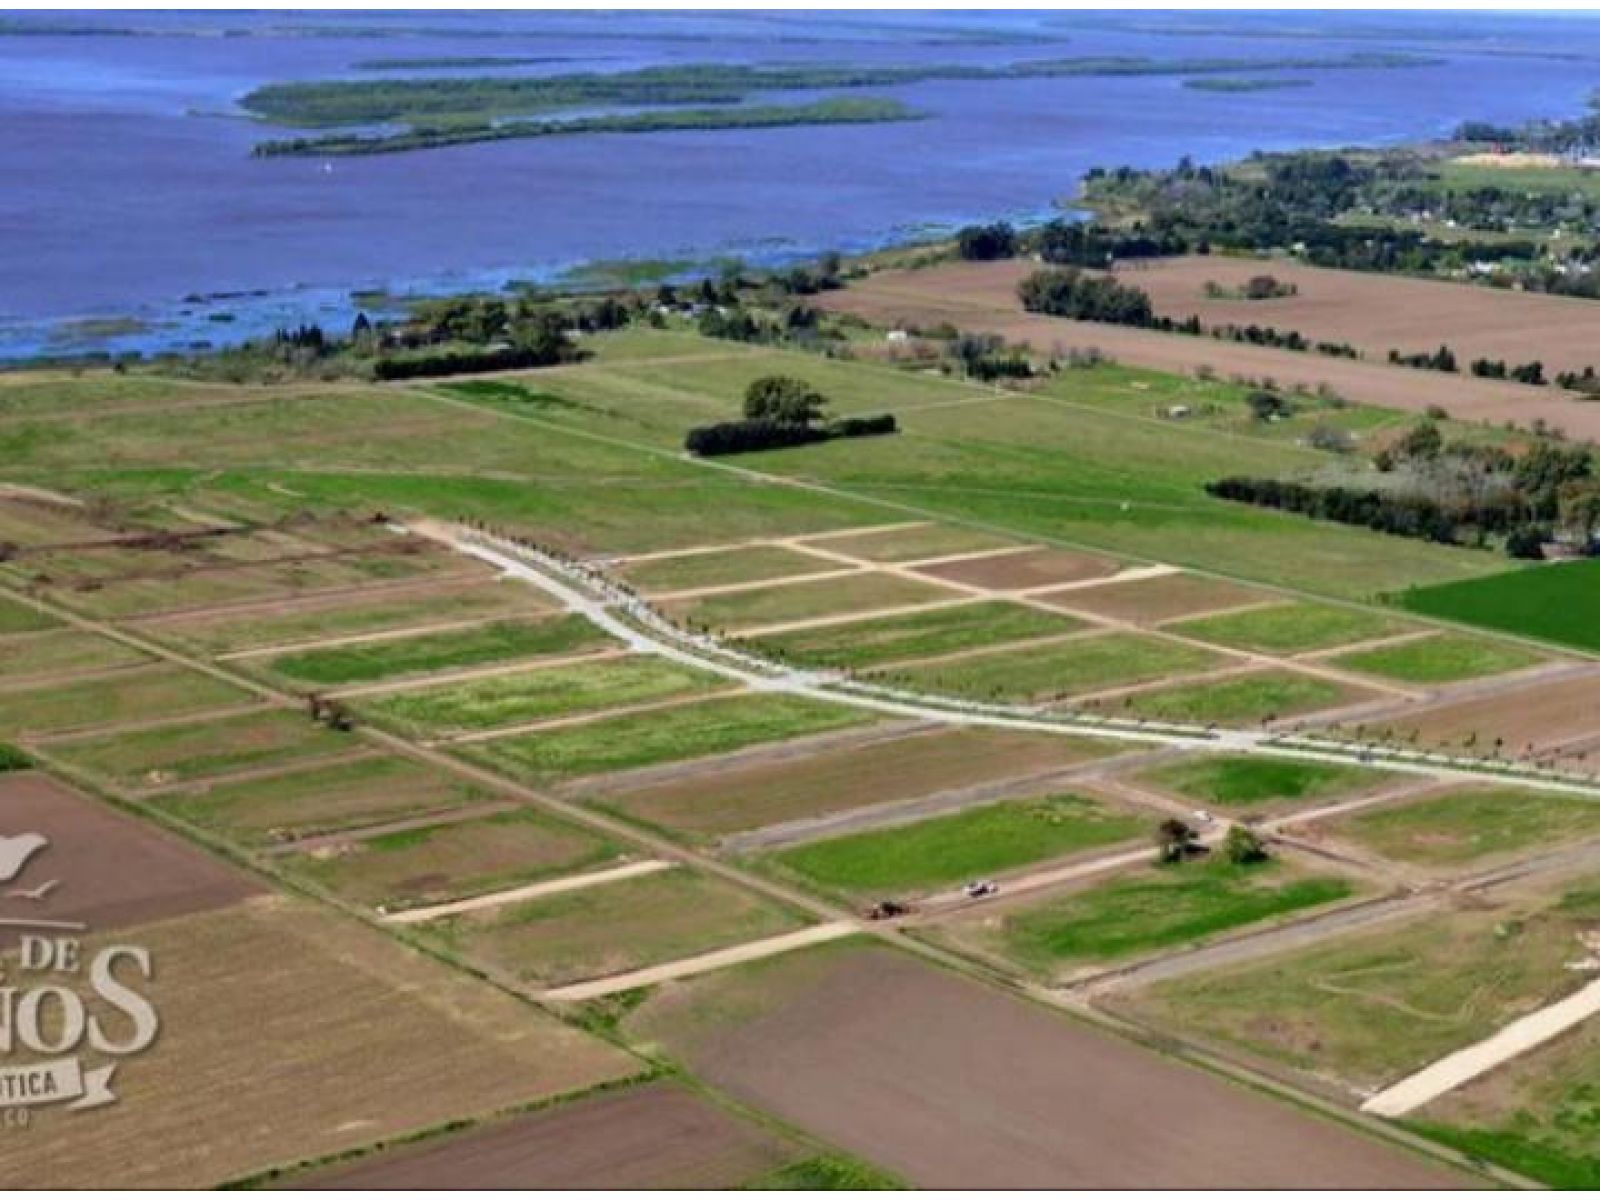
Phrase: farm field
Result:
[496,642]
[718,568]
[1456,974]
[1140,911]
[60,652]
[140,693]
[610,928]
[832,780]
[304,801]
[713,726]
[851,1042]
[1055,671]
[913,543]
[1551,602]
[944,851]
[1152,601]
[537,694]
[982,297]
[946,630]
[17,617]
[1254,783]
[1290,628]
[1469,826]
[1244,699]
[1539,717]
[411,868]
[1439,658]
[781,603]
[1028,568]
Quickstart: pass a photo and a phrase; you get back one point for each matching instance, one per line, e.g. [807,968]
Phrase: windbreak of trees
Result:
[1070,292]
[781,411]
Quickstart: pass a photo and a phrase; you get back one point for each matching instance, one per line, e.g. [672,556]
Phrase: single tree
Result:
[784,399]
[1243,846]
[1175,838]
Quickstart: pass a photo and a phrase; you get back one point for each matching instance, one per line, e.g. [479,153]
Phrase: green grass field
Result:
[914,635]
[141,693]
[1553,602]
[57,652]
[802,601]
[1055,671]
[713,726]
[1153,908]
[539,693]
[1253,782]
[1289,628]
[1439,658]
[1239,700]
[16,617]
[452,861]
[915,544]
[1472,825]
[719,567]
[948,850]
[500,641]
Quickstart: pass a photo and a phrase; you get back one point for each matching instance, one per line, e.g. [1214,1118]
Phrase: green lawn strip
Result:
[536,694]
[913,635]
[1553,602]
[965,845]
[501,641]
[1251,781]
[323,799]
[613,927]
[137,694]
[1441,658]
[715,568]
[1241,699]
[1528,1151]
[1156,908]
[802,601]
[452,861]
[60,651]
[179,753]
[1290,628]
[16,617]
[1471,824]
[713,726]
[1052,672]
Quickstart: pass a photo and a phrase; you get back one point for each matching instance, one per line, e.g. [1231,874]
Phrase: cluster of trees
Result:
[1387,512]
[1442,359]
[781,411]
[1257,287]
[1496,368]
[986,357]
[984,243]
[1070,292]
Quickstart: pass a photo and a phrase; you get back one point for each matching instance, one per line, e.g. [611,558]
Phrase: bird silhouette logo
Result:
[15,853]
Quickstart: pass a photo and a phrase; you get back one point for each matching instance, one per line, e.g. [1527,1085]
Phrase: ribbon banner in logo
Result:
[54,1082]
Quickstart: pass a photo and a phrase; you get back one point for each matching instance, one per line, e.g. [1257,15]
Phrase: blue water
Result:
[127,189]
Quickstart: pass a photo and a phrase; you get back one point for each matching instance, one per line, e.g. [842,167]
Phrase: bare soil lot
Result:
[1527,719]
[1025,569]
[954,1085]
[1151,601]
[112,870]
[982,297]
[288,1035]
[760,794]
[656,1135]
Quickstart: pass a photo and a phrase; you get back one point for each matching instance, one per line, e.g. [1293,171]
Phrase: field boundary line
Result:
[89,732]
[700,964]
[376,637]
[626,710]
[512,666]
[528,891]
[753,585]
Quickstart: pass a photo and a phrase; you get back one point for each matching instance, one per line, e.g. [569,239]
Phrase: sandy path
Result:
[815,935]
[531,891]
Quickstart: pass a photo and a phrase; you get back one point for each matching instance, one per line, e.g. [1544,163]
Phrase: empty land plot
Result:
[118,871]
[1029,568]
[350,614]
[1142,911]
[1518,720]
[544,692]
[60,652]
[17,617]
[1534,1115]
[938,631]
[833,780]
[1370,1008]
[369,1042]
[1553,602]
[884,1055]
[1439,658]
[1246,699]
[713,726]
[797,602]
[1470,826]
[1254,783]
[175,754]
[434,864]
[139,693]
[390,658]
[1150,601]
[612,928]
[1290,628]
[320,799]
[654,1135]
[28,522]
[946,850]
[1053,672]
[715,568]
[914,543]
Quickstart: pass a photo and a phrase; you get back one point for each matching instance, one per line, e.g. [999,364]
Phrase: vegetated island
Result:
[854,110]
[316,104]
[1231,85]
[458,62]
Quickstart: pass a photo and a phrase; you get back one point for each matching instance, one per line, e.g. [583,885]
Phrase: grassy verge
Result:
[1252,781]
